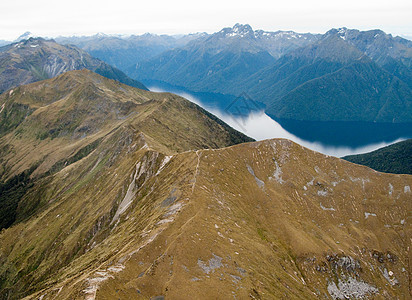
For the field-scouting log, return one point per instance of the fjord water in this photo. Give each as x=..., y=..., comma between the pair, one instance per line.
x=331, y=138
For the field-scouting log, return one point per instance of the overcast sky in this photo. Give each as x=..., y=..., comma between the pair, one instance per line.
x=86, y=17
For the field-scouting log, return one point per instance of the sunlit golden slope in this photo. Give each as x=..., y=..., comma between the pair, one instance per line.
x=59, y=140
x=150, y=212
x=266, y=220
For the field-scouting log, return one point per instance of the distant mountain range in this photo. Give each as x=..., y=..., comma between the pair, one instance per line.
x=123, y=52
x=334, y=80
x=38, y=59
x=343, y=75
x=215, y=63
x=395, y=158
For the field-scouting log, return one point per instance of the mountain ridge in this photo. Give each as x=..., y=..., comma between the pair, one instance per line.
x=37, y=59
x=122, y=52
x=48, y=124
x=223, y=228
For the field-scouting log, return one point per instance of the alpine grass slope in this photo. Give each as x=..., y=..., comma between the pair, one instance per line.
x=127, y=194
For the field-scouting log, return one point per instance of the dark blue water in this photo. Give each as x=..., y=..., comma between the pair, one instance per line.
x=350, y=134
x=332, y=138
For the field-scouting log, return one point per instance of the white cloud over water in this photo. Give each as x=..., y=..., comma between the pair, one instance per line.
x=260, y=126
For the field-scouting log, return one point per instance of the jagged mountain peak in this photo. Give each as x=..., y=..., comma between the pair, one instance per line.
x=282, y=35
x=238, y=30
x=25, y=36
x=27, y=42
x=246, y=31
x=376, y=44
x=344, y=32
x=331, y=46
x=242, y=28
x=101, y=35
x=341, y=32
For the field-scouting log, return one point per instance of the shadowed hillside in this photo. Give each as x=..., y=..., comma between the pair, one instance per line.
x=395, y=158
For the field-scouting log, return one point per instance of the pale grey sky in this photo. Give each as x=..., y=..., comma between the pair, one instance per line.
x=86, y=17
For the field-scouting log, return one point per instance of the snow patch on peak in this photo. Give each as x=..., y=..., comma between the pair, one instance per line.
x=342, y=30
x=101, y=34
x=25, y=36
x=238, y=30
x=240, y=27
